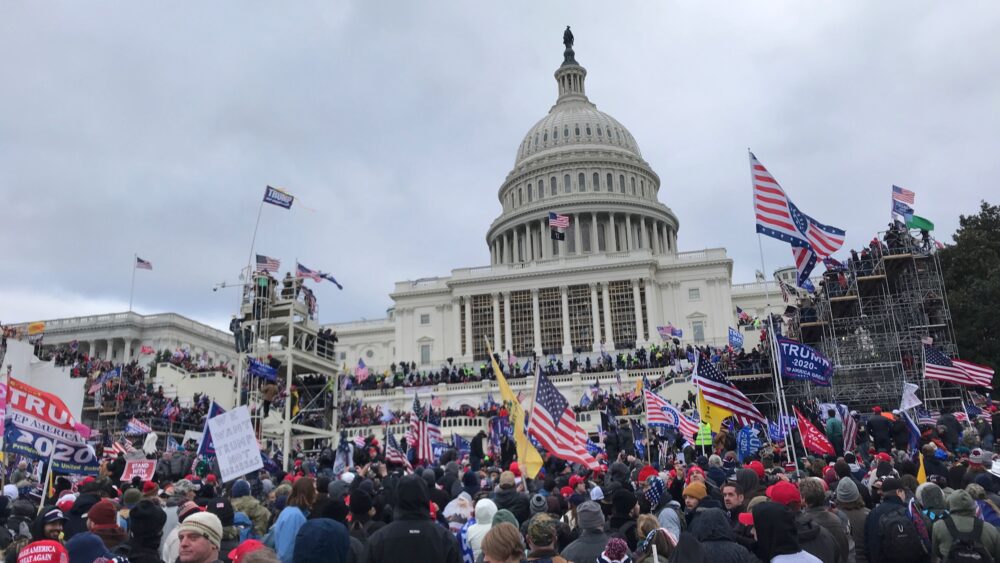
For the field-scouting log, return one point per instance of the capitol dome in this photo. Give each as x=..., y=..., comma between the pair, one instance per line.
x=581, y=162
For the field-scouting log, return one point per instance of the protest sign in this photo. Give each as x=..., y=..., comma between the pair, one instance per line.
x=141, y=468
x=235, y=444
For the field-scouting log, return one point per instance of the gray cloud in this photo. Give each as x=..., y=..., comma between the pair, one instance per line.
x=153, y=129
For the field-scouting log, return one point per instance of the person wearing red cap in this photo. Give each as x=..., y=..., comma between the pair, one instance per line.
x=578, y=484
x=45, y=551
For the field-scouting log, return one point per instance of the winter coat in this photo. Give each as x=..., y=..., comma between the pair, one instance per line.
x=258, y=514
x=963, y=512
x=873, y=541
x=718, y=542
x=412, y=536
x=588, y=547
x=880, y=430
x=321, y=540
x=857, y=516
x=833, y=524
x=486, y=509
x=76, y=518
x=515, y=502
x=777, y=535
x=286, y=528
x=815, y=539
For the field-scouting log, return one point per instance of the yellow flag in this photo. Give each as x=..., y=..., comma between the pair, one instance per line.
x=710, y=413
x=528, y=458
x=921, y=472
x=638, y=387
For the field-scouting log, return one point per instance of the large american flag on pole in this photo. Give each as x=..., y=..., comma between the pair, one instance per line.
x=424, y=431
x=393, y=453
x=267, y=264
x=659, y=411
x=557, y=221
x=718, y=390
x=779, y=218
x=554, y=425
x=941, y=367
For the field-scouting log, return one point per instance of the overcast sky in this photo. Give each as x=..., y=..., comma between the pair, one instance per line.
x=153, y=128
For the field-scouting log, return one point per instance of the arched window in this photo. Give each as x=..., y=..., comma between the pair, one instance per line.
x=552, y=185
x=618, y=135
x=621, y=183
x=599, y=133
x=609, y=132
x=520, y=198
x=529, y=192
x=577, y=129
x=633, y=185
x=597, y=181
x=611, y=182
x=566, y=183
x=588, y=129
x=546, y=138
x=566, y=131
x=642, y=186
x=536, y=139
x=541, y=188
x=555, y=133
x=582, y=181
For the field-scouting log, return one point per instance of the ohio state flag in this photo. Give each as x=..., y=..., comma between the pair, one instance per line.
x=813, y=440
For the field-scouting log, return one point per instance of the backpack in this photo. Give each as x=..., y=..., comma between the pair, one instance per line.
x=967, y=546
x=245, y=526
x=900, y=540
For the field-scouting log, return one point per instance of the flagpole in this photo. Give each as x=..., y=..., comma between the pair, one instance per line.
x=48, y=475
x=649, y=442
x=131, y=289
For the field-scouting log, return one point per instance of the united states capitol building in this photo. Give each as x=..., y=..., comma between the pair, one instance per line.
x=618, y=275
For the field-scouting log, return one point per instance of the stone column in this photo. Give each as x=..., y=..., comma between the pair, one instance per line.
x=496, y=322
x=654, y=233
x=652, y=307
x=593, y=234
x=529, y=239
x=595, y=317
x=516, y=247
x=613, y=244
x=637, y=301
x=567, y=343
x=577, y=233
x=628, y=233
x=536, y=322
x=544, y=242
x=468, y=326
x=507, y=342
x=609, y=333
x=493, y=252
x=643, y=243
x=508, y=242
x=456, y=325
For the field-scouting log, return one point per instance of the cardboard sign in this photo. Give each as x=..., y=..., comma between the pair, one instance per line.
x=141, y=468
x=236, y=446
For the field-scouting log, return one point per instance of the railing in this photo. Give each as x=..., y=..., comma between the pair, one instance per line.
x=143, y=321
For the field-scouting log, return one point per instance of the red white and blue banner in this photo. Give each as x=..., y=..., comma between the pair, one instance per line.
x=38, y=425
x=800, y=362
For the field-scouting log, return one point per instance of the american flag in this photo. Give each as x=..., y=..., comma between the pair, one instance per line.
x=143, y=264
x=393, y=453
x=779, y=218
x=659, y=411
x=146, y=350
x=925, y=416
x=267, y=264
x=554, y=425
x=557, y=221
x=975, y=412
x=718, y=390
x=303, y=272
x=361, y=372
x=939, y=366
x=961, y=417
x=136, y=426
x=424, y=431
x=850, y=428
x=902, y=194
x=122, y=446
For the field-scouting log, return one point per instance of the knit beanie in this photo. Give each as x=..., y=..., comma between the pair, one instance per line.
x=241, y=488
x=538, y=505
x=931, y=497
x=623, y=501
x=589, y=516
x=361, y=502
x=696, y=490
x=847, y=491
x=204, y=523
x=615, y=552
x=504, y=515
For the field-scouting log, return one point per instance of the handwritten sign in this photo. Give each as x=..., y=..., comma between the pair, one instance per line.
x=141, y=468
x=235, y=444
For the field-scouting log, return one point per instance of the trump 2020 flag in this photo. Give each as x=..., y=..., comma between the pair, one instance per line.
x=276, y=196
x=735, y=338
x=801, y=362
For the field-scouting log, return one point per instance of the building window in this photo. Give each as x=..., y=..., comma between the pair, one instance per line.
x=425, y=319
x=611, y=182
x=546, y=137
x=599, y=133
x=370, y=354
x=541, y=190
x=566, y=183
x=425, y=354
x=597, y=181
x=622, y=313
x=698, y=328
x=342, y=356
x=552, y=185
x=555, y=133
x=694, y=294
x=588, y=129
x=582, y=181
x=621, y=187
x=577, y=129
x=633, y=185
x=520, y=198
x=550, y=319
x=566, y=131
x=529, y=193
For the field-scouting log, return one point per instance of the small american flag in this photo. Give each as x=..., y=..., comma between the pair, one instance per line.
x=143, y=264
x=925, y=416
x=557, y=221
x=303, y=272
x=136, y=426
x=393, y=453
x=267, y=264
x=902, y=194
x=659, y=411
x=718, y=390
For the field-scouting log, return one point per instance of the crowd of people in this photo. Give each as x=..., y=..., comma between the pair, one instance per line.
x=878, y=501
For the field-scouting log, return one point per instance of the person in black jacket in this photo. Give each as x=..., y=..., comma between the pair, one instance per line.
x=412, y=536
x=508, y=497
x=76, y=517
x=146, y=521
x=900, y=432
x=476, y=452
x=880, y=430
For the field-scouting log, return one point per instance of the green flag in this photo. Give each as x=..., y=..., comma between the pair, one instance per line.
x=918, y=222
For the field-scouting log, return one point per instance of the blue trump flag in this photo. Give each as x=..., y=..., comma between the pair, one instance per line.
x=747, y=442
x=207, y=447
x=800, y=362
x=461, y=444
x=258, y=368
x=735, y=338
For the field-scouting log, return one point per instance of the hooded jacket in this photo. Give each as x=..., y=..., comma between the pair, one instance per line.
x=833, y=524
x=777, y=534
x=963, y=512
x=815, y=539
x=718, y=543
x=321, y=540
x=76, y=518
x=258, y=514
x=486, y=509
x=412, y=536
x=515, y=502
